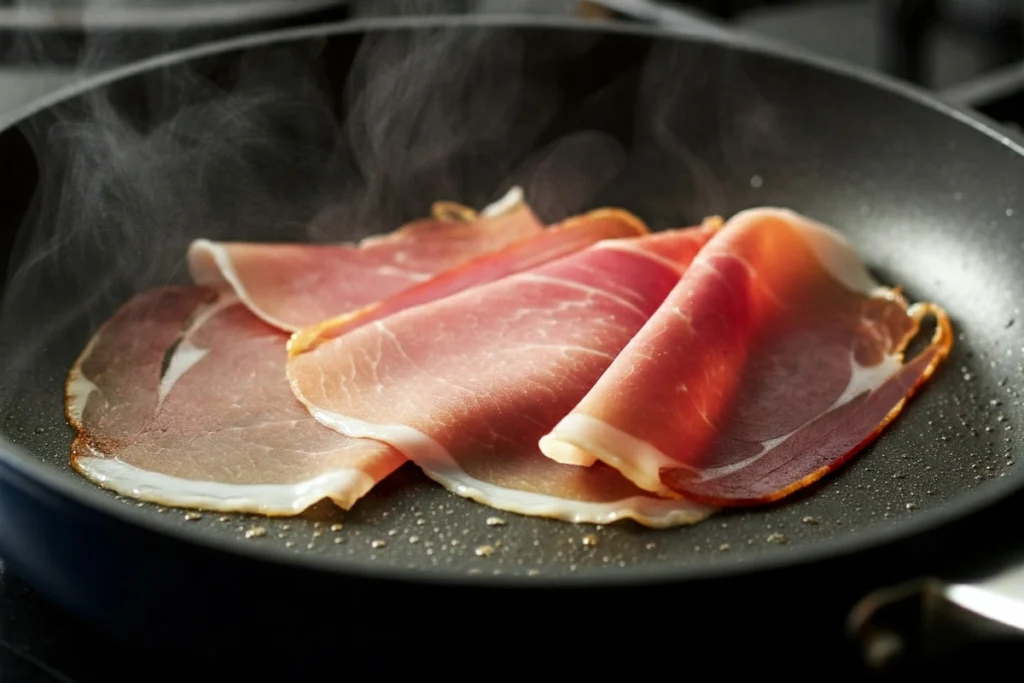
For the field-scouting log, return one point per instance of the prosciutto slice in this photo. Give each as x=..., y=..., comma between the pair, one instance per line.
x=466, y=385
x=291, y=286
x=774, y=360
x=557, y=241
x=181, y=399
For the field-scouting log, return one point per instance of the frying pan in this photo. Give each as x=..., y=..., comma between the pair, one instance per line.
x=338, y=131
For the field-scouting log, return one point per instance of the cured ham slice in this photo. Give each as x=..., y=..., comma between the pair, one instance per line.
x=466, y=385
x=292, y=286
x=557, y=241
x=774, y=360
x=181, y=399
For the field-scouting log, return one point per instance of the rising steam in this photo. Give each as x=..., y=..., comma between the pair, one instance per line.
x=263, y=144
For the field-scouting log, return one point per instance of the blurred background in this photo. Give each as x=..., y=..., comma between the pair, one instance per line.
x=936, y=43
x=969, y=46
x=972, y=51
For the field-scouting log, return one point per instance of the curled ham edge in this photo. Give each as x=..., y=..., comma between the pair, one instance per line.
x=346, y=486
x=582, y=440
x=220, y=272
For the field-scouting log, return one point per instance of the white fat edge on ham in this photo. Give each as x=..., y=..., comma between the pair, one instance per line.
x=222, y=276
x=862, y=380
x=581, y=440
x=344, y=487
x=79, y=387
x=439, y=465
x=577, y=437
x=186, y=354
x=512, y=200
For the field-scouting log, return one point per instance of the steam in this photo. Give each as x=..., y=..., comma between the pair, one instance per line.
x=253, y=145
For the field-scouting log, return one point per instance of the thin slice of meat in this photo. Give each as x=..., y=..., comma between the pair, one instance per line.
x=292, y=286
x=557, y=241
x=181, y=399
x=466, y=385
x=774, y=360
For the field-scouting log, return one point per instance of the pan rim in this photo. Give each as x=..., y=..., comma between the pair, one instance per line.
x=56, y=483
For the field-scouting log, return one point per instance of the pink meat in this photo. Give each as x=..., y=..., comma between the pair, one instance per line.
x=181, y=399
x=557, y=241
x=292, y=286
x=773, y=361
x=466, y=385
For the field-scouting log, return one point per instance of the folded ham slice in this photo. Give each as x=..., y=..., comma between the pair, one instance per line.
x=181, y=399
x=774, y=360
x=292, y=286
x=466, y=385
x=557, y=241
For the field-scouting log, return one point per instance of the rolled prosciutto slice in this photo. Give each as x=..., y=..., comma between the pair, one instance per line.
x=291, y=286
x=466, y=385
x=774, y=360
x=181, y=399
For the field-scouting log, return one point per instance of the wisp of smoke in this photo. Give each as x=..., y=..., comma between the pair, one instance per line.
x=263, y=145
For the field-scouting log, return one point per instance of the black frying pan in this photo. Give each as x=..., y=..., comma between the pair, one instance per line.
x=105, y=185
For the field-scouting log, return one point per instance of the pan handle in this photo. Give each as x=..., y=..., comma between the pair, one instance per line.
x=934, y=623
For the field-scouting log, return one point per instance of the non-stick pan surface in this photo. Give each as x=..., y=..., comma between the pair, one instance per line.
x=671, y=127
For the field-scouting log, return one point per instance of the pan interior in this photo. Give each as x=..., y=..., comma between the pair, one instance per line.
x=671, y=129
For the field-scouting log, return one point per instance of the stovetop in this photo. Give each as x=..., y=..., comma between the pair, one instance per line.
x=41, y=643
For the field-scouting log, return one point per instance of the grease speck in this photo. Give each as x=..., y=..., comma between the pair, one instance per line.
x=775, y=538
x=337, y=527
x=484, y=550
x=256, y=532
x=495, y=521
x=809, y=520
x=378, y=543
x=591, y=540
x=192, y=516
